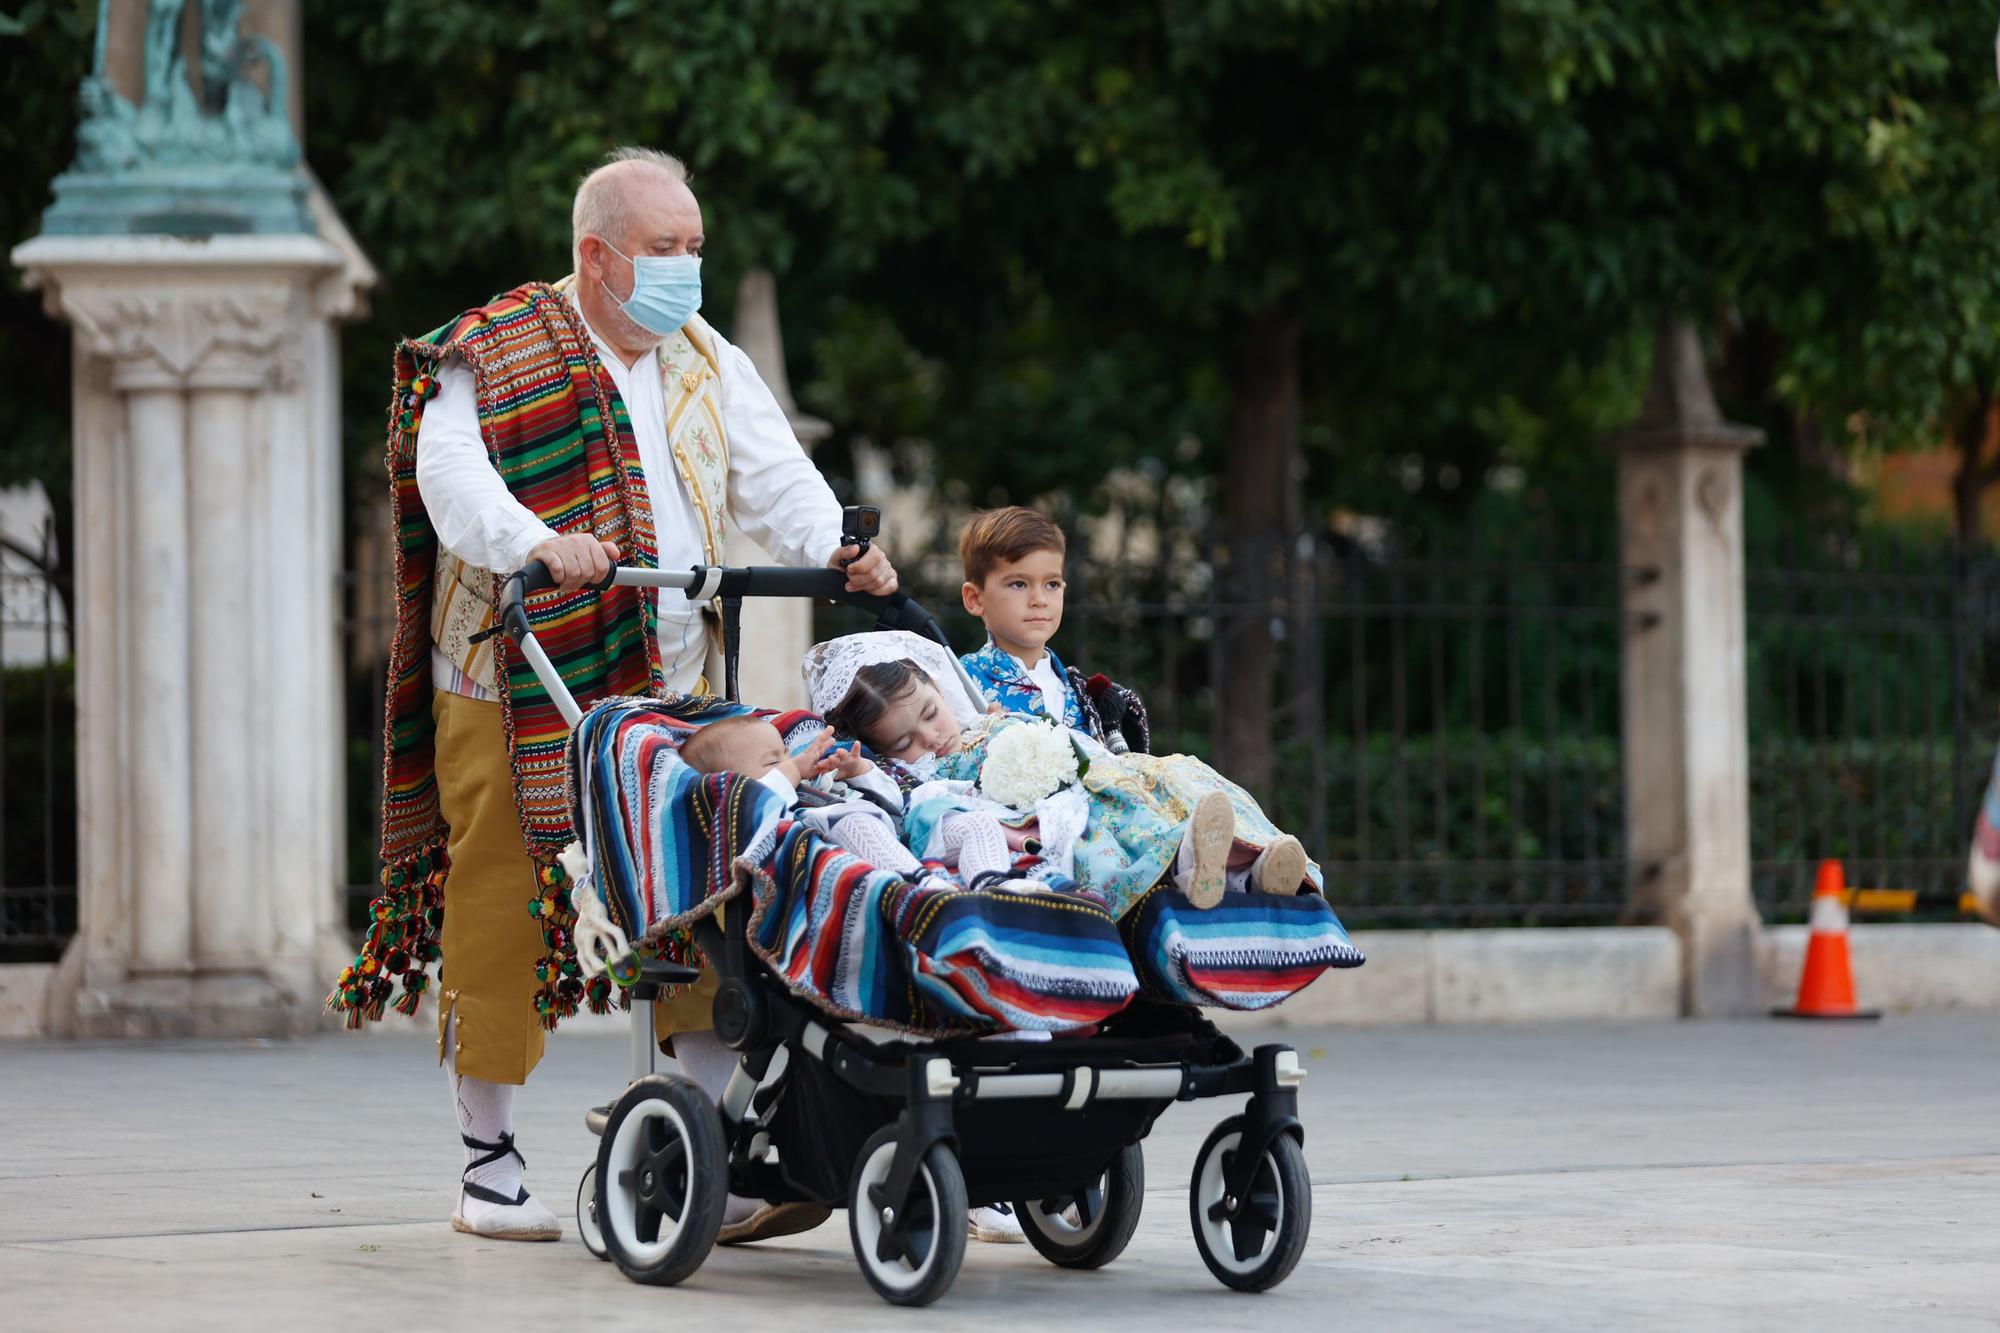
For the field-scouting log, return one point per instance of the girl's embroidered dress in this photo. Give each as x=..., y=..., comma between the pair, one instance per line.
x=1140, y=805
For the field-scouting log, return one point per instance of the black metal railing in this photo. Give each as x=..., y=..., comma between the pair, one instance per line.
x=368, y=621
x=1445, y=734
x=1873, y=711
x=1445, y=728
x=37, y=766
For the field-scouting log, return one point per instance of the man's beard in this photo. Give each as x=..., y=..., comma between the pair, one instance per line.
x=631, y=333
x=624, y=330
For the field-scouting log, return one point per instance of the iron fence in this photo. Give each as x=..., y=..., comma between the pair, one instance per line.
x=1445, y=732
x=1445, y=736
x=1873, y=711
x=368, y=621
x=38, y=775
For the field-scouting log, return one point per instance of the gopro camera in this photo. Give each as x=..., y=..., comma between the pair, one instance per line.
x=859, y=525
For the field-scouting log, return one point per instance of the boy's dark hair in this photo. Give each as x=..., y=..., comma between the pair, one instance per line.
x=875, y=687
x=700, y=751
x=995, y=536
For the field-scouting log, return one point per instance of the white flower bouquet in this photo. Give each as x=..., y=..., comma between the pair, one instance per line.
x=1027, y=763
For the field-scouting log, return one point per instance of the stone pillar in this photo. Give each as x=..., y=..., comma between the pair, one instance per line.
x=210, y=739
x=776, y=634
x=1680, y=514
x=156, y=698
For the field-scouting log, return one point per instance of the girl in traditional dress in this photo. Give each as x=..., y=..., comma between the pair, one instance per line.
x=1147, y=815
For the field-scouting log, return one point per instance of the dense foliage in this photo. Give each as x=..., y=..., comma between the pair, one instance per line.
x=1315, y=257
x=1031, y=234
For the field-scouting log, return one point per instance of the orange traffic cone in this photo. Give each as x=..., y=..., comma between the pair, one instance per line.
x=1826, y=987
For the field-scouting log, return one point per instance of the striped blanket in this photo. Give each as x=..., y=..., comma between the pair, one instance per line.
x=1249, y=951
x=670, y=846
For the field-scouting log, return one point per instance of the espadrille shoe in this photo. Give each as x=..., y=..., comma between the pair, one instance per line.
x=1201, y=870
x=487, y=1212
x=1281, y=867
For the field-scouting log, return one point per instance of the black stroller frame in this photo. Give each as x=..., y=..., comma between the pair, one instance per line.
x=1053, y=1127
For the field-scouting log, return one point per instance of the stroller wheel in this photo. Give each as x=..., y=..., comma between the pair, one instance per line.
x=662, y=1180
x=914, y=1259
x=1256, y=1249
x=586, y=1213
x=1092, y=1227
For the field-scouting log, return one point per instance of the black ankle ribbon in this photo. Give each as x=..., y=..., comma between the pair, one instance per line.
x=494, y=1152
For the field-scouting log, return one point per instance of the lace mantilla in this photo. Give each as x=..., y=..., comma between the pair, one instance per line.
x=830, y=668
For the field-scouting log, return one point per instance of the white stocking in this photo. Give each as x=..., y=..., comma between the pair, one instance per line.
x=975, y=843
x=485, y=1112
x=871, y=839
x=706, y=1060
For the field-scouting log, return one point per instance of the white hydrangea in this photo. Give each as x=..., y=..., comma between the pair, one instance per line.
x=1026, y=763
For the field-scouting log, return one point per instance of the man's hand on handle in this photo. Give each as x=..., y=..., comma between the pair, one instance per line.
x=872, y=573
x=575, y=559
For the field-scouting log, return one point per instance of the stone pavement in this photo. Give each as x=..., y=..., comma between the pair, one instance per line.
x=1738, y=1175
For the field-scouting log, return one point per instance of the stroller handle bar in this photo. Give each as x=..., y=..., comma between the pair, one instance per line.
x=703, y=583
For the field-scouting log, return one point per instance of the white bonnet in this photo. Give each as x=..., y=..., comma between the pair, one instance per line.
x=830, y=668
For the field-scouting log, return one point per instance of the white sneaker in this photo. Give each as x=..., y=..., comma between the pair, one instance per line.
x=994, y=1223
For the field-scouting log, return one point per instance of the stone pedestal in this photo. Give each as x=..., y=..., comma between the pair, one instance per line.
x=1680, y=512
x=209, y=730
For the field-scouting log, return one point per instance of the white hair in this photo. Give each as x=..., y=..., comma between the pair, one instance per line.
x=602, y=206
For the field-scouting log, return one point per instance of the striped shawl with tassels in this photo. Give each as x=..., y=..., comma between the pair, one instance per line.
x=559, y=436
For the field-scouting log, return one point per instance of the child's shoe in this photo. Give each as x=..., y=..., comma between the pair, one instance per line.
x=994, y=1223
x=1280, y=867
x=1201, y=870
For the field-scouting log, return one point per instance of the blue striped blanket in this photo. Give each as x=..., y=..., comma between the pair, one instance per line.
x=669, y=846
x=1249, y=951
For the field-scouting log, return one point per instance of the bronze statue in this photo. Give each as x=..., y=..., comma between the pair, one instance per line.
x=207, y=147
x=232, y=120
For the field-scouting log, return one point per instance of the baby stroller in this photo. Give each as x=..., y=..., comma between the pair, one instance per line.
x=905, y=1134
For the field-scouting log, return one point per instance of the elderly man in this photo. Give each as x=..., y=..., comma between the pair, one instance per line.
x=576, y=424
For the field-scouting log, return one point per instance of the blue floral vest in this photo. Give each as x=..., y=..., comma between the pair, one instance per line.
x=1001, y=675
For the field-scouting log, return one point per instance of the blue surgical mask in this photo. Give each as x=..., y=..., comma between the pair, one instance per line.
x=666, y=290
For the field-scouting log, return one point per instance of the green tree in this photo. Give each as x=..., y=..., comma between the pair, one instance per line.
x=1052, y=239
x=1818, y=179
x=1891, y=340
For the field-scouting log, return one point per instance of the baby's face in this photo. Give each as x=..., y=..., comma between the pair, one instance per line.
x=915, y=725
x=752, y=751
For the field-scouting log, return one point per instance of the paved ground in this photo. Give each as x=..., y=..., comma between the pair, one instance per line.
x=1755, y=1175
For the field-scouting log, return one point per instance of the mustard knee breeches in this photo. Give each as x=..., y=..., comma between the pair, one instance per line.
x=490, y=942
